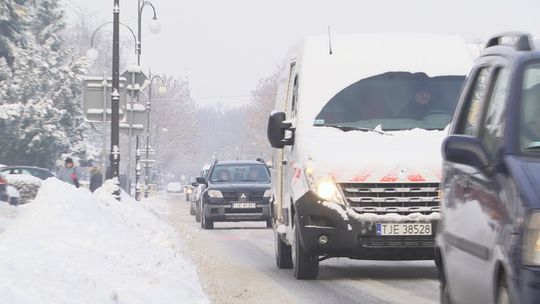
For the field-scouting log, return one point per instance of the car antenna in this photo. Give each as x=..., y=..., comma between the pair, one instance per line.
x=330, y=41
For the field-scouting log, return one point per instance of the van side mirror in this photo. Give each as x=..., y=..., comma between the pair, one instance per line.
x=201, y=180
x=276, y=130
x=465, y=150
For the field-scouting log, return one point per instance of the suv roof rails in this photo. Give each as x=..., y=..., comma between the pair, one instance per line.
x=521, y=41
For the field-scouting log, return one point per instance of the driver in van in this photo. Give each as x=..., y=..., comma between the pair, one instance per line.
x=423, y=103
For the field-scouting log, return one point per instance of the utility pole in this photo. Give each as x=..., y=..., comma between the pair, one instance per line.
x=115, y=100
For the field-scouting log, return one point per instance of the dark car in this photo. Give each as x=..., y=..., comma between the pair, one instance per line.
x=488, y=241
x=40, y=173
x=236, y=191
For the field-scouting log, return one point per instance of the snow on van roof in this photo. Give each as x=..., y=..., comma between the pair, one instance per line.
x=359, y=56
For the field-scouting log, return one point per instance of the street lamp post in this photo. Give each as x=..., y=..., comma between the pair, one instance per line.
x=154, y=28
x=115, y=100
x=92, y=54
x=148, y=107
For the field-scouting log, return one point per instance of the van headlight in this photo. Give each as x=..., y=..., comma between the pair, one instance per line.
x=267, y=193
x=215, y=194
x=531, y=246
x=328, y=191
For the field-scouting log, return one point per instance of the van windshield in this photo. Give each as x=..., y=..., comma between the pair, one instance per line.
x=393, y=101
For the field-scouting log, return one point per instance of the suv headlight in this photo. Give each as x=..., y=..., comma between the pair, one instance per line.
x=531, y=248
x=267, y=193
x=328, y=190
x=215, y=194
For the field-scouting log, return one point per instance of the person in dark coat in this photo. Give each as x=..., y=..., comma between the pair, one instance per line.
x=96, y=178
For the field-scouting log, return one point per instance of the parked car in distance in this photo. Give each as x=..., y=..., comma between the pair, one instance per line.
x=175, y=187
x=236, y=191
x=488, y=242
x=8, y=193
x=40, y=173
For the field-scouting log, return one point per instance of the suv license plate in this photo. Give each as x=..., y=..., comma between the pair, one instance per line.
x=244, y=205
x=404, y=229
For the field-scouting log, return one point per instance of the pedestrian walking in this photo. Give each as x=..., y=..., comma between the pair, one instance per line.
x=69, y=173
x=96, y=178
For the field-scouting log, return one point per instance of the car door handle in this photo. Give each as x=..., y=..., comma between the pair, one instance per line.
x=284, y=162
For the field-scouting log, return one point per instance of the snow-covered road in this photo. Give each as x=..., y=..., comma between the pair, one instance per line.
x=236, y=264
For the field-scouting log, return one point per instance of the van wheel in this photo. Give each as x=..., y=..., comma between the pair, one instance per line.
x=306, y=267
x=283, y=253
x=503, y=297
x=269, y=224
x=444, y=291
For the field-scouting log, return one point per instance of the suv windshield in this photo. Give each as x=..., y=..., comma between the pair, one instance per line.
x=393, y=101
x=529, y=137
x=240, y=173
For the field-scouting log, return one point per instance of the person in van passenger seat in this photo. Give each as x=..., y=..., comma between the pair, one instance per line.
x=371, y=104
x=422, y=103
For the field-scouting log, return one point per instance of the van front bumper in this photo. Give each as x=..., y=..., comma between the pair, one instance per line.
x=346, y=235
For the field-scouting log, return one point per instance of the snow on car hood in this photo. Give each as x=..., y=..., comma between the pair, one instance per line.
x=370, y=157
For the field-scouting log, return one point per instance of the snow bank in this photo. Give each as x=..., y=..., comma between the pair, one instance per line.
x=8, y=215
x=72, y=246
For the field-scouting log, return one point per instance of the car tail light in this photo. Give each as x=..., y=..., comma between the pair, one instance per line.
x=3, y=180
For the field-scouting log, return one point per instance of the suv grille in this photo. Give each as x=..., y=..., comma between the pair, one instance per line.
x=232, y=196
x=402, y=198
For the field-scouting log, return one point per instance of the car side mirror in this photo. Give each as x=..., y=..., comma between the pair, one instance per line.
x=276, y=130
x=194, y=184
x=465, y=150
x=201, y=180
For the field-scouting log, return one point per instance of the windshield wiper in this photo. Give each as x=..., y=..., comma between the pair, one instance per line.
x=353, y=128
x=533, y=148
x=220, y=180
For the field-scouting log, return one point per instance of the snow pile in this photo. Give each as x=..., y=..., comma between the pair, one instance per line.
x=27, y=185
x=8, y=215
x=71, y=246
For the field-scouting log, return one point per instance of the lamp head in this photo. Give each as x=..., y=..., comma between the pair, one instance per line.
x=155, y=26
x=92, y=54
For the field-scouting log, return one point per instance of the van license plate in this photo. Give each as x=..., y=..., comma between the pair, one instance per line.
x=404, y=229
x=244, y=205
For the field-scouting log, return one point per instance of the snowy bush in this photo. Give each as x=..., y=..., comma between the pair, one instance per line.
x=27, y=185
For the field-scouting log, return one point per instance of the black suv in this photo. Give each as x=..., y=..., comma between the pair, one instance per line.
x=236, y=191
x=488, y=242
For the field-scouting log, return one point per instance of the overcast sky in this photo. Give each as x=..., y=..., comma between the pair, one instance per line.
x=225, y=46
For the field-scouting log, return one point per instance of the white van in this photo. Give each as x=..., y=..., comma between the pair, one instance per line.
x=357, y=131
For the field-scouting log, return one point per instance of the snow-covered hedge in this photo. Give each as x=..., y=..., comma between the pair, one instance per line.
x=27, y=185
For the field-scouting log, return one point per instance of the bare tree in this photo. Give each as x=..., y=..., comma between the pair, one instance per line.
x=262, y=103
